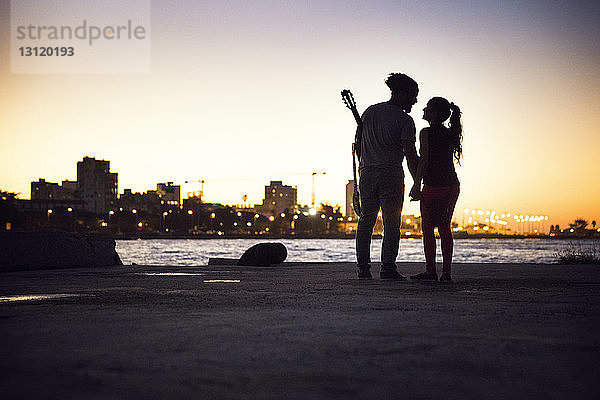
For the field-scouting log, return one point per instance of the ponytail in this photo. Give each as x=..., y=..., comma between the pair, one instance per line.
x=456, y=131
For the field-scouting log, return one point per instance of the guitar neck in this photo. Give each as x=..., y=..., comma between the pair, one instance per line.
x=356, y=116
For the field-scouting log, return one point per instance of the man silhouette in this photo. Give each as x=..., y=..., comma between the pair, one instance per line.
x=386, y=137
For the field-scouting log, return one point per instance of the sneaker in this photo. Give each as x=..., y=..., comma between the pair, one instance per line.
x=424, y=276
x=364, y=273
x=391, y=274
x=445, y=277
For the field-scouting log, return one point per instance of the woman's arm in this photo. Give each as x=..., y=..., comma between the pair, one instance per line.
x=415, y=192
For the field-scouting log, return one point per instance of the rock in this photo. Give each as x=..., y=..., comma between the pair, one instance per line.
x=44, y=250
x=264, y=254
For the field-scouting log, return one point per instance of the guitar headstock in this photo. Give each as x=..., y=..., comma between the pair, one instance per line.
x=348, y=99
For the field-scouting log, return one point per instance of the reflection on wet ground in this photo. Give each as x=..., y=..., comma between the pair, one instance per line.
x=171, y=273
x=35, y=297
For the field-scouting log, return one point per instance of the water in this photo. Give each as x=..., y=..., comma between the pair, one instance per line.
x=188, y=252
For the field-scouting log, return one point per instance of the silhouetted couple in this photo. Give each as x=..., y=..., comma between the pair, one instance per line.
x=388, y=135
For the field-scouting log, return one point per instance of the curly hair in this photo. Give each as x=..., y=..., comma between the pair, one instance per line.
x=398, y=82
x=444, y=109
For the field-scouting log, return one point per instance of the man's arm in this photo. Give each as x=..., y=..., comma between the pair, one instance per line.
x=412, y=159
x=415, y=192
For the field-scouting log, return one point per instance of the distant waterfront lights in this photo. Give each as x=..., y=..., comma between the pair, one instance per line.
x=111, y=212
x=190, y=212
x=239, y=214
x=282, y=215
x=49, y=211
x=255, y=215
x=295, y=217
x=213, y=215
x=69, y=209
x=322, y=216
x=140, y=224
x=120, y=208
x=248, y=223
x=271, y=218
x=134, y=211
x=104, y=224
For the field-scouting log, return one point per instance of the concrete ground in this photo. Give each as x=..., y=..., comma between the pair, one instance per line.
x=300, y=331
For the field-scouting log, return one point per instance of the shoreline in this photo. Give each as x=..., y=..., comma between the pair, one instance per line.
x=345, y=237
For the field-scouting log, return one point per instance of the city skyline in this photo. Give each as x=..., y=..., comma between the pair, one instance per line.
x=511, y=219
x=240, y=94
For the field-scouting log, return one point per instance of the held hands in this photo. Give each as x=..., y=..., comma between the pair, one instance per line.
x=415, y=192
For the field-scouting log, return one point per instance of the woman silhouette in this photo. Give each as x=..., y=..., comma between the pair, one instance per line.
x=440, y=147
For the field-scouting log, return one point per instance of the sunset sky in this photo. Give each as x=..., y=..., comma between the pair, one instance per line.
x=240, y=93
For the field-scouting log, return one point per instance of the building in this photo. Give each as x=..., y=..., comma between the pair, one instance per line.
x=169, y=194
x=42, y=190
x=148, y=202
x=97, y=186
x=349, y=194
x=279, y=198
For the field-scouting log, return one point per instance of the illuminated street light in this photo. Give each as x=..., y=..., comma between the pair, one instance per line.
x=134, y=211
x=271, y=218
x=190, y=212
x=69, y=209
x=111, y=212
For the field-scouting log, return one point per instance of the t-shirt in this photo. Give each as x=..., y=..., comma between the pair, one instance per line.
x=385, y=126
x=440, y=166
